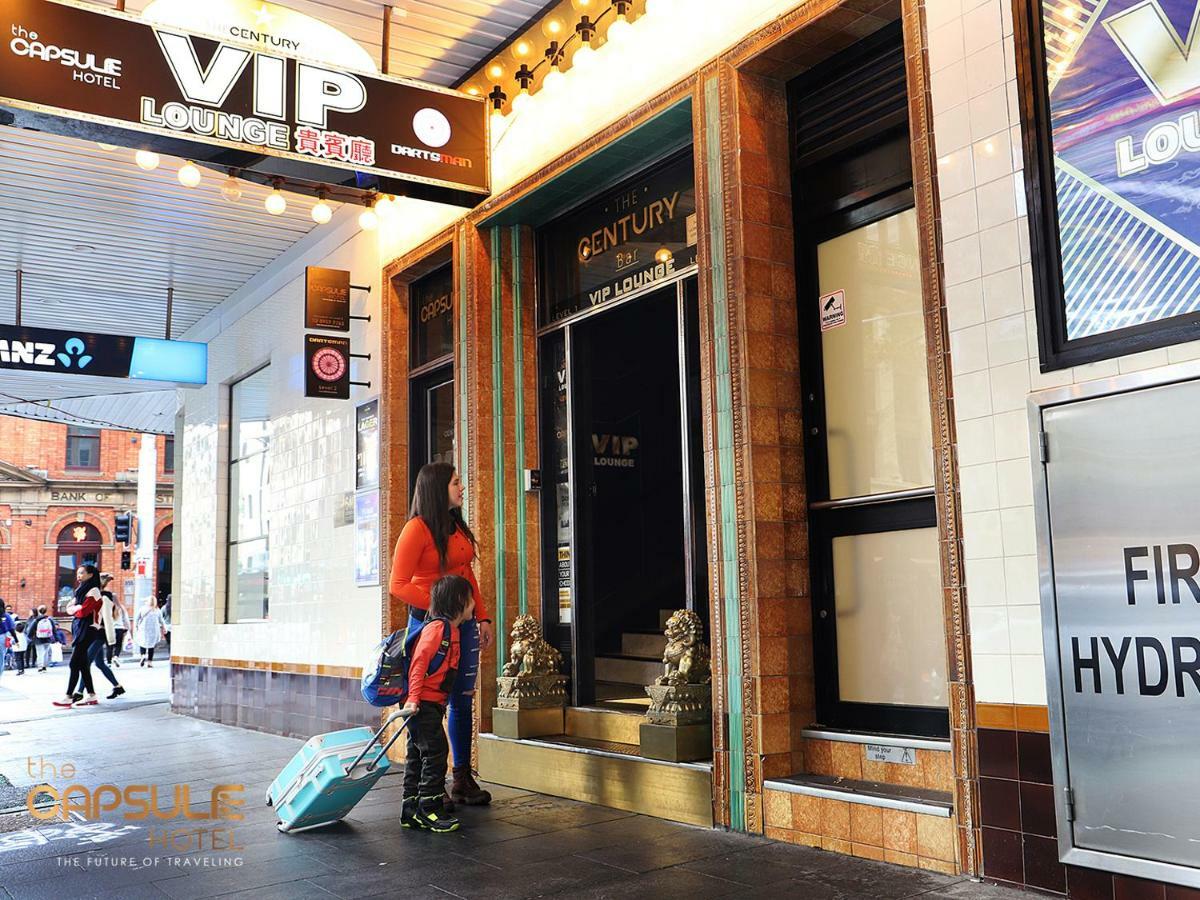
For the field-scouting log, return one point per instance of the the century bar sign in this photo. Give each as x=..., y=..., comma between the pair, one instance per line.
x=71, y=60
x=636, y=235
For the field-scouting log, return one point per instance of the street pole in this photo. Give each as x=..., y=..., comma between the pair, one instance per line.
x=147, y=488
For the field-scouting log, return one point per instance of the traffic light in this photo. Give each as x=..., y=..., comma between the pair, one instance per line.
x=126, y=559
x=121, y=532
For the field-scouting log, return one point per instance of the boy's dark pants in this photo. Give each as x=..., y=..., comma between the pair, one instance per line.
x=425, y=765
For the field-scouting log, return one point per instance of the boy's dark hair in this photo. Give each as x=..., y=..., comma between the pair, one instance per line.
x=449, y=596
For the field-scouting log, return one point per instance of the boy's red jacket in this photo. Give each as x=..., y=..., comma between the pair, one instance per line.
x=436, y=687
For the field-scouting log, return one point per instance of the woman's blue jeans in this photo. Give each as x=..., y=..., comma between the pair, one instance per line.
x=461, y=705
x=97, y=654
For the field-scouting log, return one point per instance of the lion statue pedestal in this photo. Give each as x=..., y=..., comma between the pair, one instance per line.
x=530, y=696
x=678, y=725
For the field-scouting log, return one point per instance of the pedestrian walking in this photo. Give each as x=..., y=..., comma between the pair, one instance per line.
x=83, y=613
x=20, y=645
x=40, y=631
x=8, y=633
x=31, y=649
x=106, y=625
x=121, y=628
x=148, y=630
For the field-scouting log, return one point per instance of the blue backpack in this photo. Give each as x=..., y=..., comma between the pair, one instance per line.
x=385, y=676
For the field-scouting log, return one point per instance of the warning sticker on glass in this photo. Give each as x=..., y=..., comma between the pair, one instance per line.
x=833, y=310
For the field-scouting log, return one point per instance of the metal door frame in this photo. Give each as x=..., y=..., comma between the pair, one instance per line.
x=1038, y=403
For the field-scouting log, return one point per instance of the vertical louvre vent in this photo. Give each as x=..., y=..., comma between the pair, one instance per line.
x=857, y=94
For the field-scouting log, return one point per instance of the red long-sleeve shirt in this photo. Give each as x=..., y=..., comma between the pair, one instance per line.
x=90, y=606
x=433, y=688
x=415, y=565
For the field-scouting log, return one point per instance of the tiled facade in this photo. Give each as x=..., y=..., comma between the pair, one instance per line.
x=317, y=615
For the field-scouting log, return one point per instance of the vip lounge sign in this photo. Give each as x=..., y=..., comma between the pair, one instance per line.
x=108, y=355
x=74, y=61
x=1124, y=88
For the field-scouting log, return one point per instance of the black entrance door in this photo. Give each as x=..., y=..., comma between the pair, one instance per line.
x=632, y=496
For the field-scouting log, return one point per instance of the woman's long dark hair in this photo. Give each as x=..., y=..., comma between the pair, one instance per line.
x=92, y=581
x=431, y=501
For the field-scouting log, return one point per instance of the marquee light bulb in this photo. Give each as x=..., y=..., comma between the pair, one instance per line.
x=275, y=203
x=663, y=255
x=554, y=28
x=521, y=49
x=659, y=7
x=146, y=160
x=584, y=56
x=322, y=212
x=231, y=190
x=585, y=6
x=495, y=71
x=619, y=30
x=107, y=148
x=189, y=175
x=554, y=79
x=367, y=220
x=520, y=101
x=385, y=206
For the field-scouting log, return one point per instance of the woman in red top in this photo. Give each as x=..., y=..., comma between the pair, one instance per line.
x=87, y=604
x=436, y=542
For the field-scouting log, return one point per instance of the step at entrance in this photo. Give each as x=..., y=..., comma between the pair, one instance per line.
x=628, y=669
x=600, y=723
x=643, y=643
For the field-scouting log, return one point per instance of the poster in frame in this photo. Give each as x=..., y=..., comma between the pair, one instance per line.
x=1110, y=110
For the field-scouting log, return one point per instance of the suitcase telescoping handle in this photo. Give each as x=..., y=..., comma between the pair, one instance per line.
x=404, y=714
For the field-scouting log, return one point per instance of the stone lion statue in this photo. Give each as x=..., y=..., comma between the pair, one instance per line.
x=686, y=657
x=529, y=654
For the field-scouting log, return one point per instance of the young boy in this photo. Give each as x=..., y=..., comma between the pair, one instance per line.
x=451, y=601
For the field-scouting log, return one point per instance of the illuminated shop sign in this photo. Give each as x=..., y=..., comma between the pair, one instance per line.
x=73, y=61
x=108, y=355
x=631, y=237
x=1116, y=108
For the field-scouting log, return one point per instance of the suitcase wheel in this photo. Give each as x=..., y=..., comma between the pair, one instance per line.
x=270, y=802
x=284, y=828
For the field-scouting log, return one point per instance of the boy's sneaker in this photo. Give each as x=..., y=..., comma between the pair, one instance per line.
x=432, y=815
x=409, y=813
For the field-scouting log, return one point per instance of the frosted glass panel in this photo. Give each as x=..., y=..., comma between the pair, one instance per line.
x=890, y=637
x=876, y=393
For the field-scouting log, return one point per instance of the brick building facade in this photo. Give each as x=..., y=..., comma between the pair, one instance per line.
x=61, y=489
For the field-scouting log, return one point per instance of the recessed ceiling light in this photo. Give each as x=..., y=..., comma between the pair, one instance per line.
x=83, y=248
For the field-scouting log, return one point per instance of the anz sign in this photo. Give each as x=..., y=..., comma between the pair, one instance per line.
x=113, y=356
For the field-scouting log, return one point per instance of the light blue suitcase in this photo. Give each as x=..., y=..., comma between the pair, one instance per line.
x=328, y=776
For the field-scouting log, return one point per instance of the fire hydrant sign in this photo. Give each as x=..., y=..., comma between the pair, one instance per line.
x=1120, y=556
x=78, y=63
x=833, y=310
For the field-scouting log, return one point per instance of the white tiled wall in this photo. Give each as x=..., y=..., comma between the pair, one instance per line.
x=993, y=337
x=317, y=614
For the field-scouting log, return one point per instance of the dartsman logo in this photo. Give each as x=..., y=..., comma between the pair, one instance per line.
x=25, y=43
x=445, y=158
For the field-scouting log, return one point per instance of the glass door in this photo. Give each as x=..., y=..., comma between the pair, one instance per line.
x=878, y=630
x=623, y=495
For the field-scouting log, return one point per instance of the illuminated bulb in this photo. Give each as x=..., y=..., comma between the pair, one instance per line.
x=620, y=29
x=385, y=206
x=585, y=6
x=188, y=175
x=584, y=56
x=146, y=160
x=275, y=203
x=231, y=190
x=554, y=79
x=107, y=148
x=521, y=49
x=367, y=220
x=495, y=71
x=520, y=101
x=497, y=122
x=554, y=28
x=322, y=212
x=663, y=255
x=659, y=7
x=473, y=90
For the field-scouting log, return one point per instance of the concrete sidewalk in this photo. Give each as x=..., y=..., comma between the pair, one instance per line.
x=523, y=845
x=28, y=697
